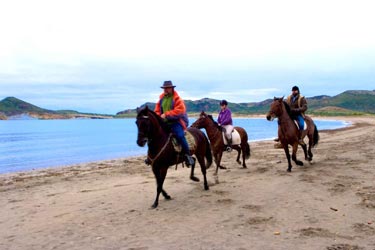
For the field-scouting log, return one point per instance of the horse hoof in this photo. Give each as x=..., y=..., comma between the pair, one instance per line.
x=154, y=206
x=193, y=178
x=239, y=162
x=206, y=188
x=299, y=163
x=289, y=170
x=167, y=197
x=221, y=167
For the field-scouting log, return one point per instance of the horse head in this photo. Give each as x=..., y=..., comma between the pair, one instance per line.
x=276, y=108
x=144, y=125
x=202, y=121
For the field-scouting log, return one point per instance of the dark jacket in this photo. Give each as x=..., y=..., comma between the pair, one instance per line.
x=297, y=104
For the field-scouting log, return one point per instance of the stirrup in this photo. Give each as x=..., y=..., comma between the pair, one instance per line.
x=229, y=149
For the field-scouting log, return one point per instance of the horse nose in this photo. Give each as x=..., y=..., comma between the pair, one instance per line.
x=268, y=116
x=141, y=142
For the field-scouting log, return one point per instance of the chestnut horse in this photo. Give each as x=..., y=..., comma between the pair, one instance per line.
x=215, y=135
x=161, y=152
x=288, y=131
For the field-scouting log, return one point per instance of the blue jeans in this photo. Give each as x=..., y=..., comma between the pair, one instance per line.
x=301, y=122
x=178, y=131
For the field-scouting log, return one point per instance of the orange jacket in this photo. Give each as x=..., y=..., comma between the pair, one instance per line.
x=177, y=112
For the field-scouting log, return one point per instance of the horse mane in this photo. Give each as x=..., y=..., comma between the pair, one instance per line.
x=146, y=111
x=212, y=119
x=287, y=107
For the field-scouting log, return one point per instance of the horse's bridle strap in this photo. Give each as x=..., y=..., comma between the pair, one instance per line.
x=160, y=152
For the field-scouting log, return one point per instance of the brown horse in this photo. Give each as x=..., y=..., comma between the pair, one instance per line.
x=214, y=133
x=288, y=131
x=161, y=152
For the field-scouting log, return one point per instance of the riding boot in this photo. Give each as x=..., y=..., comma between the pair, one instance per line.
x=189, y=160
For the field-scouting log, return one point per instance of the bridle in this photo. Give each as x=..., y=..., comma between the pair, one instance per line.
x=152, y=160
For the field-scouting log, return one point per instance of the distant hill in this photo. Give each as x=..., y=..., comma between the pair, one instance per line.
x=13, y=107
x=352, y=102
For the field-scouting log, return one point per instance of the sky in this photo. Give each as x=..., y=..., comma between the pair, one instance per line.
x=108, y=56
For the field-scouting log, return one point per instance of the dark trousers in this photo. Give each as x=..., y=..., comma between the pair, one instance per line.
x=178, y=131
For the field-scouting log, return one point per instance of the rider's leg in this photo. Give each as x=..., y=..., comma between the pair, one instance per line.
x=301, y=124
x=178, y=131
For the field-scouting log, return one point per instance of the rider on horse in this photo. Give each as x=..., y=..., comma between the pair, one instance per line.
x=171, y=108
x=225, y=121
x=298, y=107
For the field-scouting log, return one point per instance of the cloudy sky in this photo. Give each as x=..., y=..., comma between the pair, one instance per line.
x=107, y=56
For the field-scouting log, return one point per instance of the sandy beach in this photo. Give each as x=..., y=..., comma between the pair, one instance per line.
x=329, y=204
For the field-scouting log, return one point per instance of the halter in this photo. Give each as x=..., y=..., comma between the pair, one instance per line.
x=152, y=160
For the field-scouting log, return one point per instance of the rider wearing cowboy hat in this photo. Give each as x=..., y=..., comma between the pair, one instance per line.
x=171, y=108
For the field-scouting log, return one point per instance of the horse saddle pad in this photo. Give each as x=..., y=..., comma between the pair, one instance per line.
x=236, y=138
x=304, y=126
x=190, y=140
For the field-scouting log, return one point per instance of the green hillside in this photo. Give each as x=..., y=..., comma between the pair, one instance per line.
x=14, y=106
x=352, y=102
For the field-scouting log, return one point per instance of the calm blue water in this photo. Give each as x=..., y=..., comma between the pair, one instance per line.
x=32, y=144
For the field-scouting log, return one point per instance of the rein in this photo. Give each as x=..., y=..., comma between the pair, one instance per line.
x=152, y=160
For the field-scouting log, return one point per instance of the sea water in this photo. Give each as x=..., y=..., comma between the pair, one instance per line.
x=34, y=144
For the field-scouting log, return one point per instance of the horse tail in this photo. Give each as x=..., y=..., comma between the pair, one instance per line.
x=247, y=150
x=208, y=152
x=316, y=136
x=245, y=138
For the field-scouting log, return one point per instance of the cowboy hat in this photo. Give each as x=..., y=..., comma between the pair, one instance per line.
x=167, y=84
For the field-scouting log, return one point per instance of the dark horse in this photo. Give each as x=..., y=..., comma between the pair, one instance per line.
x=288, y=131
x=161, y=153
x=214, y=133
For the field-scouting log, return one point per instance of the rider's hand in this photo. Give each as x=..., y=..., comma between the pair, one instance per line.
x=163, y=116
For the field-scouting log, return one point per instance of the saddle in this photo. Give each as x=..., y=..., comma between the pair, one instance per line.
x=190, y=140
x=236, y=138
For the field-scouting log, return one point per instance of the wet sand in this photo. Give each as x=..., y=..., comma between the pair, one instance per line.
x=329, y=204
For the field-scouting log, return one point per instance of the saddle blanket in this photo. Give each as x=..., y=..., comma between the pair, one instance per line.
x=304, y=126
x=236, y=138
x=190, y=140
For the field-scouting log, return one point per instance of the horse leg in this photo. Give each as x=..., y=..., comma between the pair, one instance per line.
x=243, y=148
x=192, y=177
x=204, y=171
x=238, y=148
x=218, y=157
x=160, y=175
x=310, y=154
x=287, y=154
x=294, y=154
x=304, y=147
